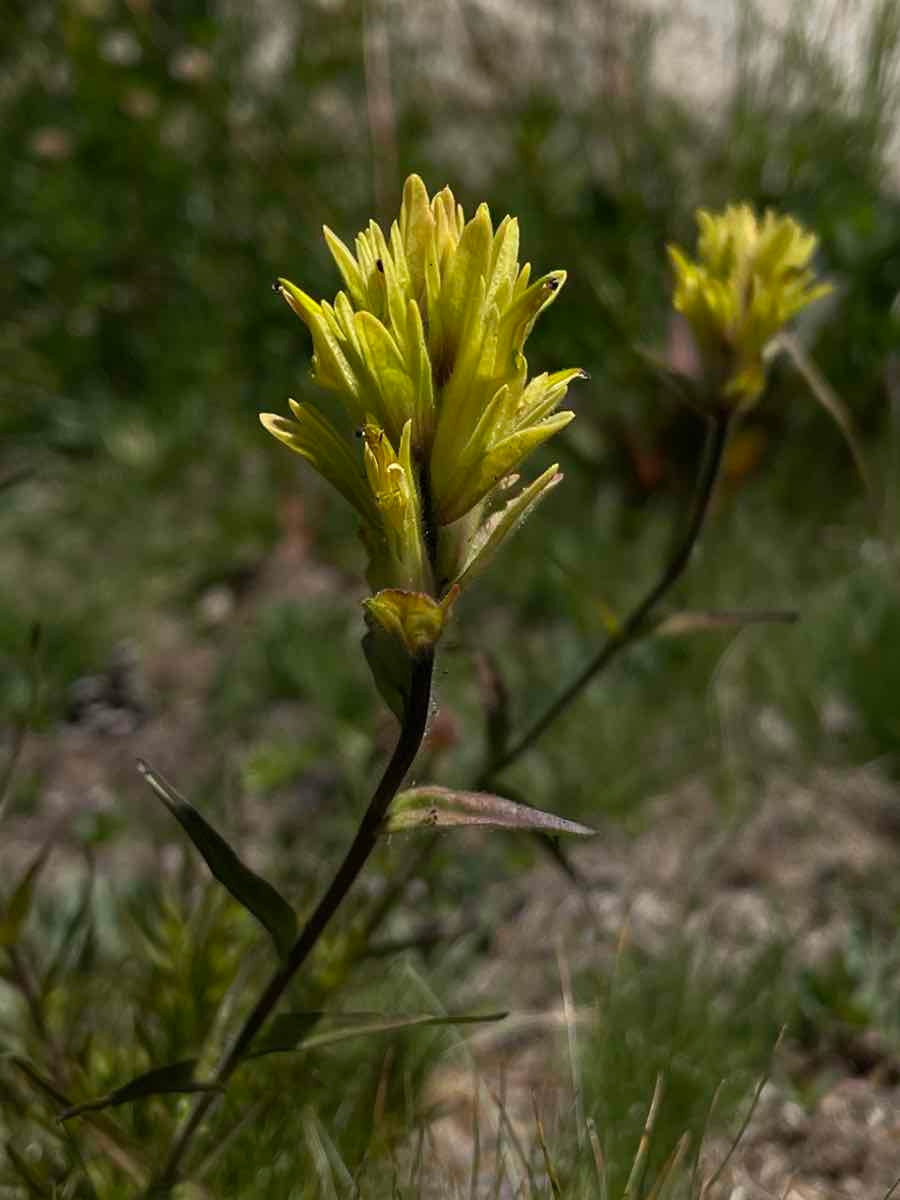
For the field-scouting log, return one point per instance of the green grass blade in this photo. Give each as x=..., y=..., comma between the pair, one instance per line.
x=289, y=1031
x=18, y=906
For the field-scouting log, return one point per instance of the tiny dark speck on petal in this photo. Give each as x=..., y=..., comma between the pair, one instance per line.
x=553, y=284
x=276, y=286
x=380, y=265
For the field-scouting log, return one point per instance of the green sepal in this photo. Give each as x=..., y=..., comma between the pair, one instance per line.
x=390, y=665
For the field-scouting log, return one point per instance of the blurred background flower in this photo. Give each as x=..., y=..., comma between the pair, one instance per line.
x=750, y=278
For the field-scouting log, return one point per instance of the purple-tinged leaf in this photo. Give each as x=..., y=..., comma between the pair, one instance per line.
x=709, y=620
x=444, y=808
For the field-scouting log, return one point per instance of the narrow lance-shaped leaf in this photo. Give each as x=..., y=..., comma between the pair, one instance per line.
x=18, y=906
x=390, y=665
x=291, y=1031
x=249, y=889
x=443, y=808
x=175, y=1077
x=707, y=620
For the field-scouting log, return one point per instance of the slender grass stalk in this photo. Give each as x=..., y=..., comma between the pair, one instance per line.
x=839, y=413
x=712, y=1180
x=635, y=624
x=412, y=732
x=23, y=978
x=635, y=1179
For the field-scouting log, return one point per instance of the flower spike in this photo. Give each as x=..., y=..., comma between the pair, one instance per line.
x=424, y=351
x=750, y=278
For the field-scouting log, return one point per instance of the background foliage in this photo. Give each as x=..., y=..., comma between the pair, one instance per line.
x=162, y=163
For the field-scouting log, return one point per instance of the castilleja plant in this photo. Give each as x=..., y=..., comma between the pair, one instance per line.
x=424, y=353
x=750, y=278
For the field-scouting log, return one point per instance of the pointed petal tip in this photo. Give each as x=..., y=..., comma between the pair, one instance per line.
x=280, y=427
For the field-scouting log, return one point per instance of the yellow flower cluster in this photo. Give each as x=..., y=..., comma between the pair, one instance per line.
x=423, y=351
x=750, y=278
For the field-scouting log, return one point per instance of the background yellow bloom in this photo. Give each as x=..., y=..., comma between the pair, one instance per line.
x=749, y=279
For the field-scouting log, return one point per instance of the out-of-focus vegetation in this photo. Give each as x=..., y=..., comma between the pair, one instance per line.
x=162, y=163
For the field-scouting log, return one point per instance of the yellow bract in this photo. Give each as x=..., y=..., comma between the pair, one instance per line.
x=750, y=278
x=423, y=351
x=392, y=480
x=416, y=619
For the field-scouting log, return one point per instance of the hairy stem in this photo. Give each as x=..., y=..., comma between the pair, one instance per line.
x=634, y=625
x=411, y=734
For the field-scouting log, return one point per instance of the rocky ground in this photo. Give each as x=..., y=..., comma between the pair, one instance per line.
x=796, y=868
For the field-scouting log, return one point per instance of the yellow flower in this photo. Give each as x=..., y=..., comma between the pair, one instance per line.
x=392, y=480
x=750, y=278
x=423, y=352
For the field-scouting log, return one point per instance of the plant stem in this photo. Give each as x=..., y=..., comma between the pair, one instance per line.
x=412, y=732
x=633, y=626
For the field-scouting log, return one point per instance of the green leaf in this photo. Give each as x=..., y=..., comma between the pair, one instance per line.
x=390, y=666
x=249, y=889
x=705, y=620
x=75, y=933
x=290, y=1031
x=18, y=906
x=176, y=1077
x=443, y=808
